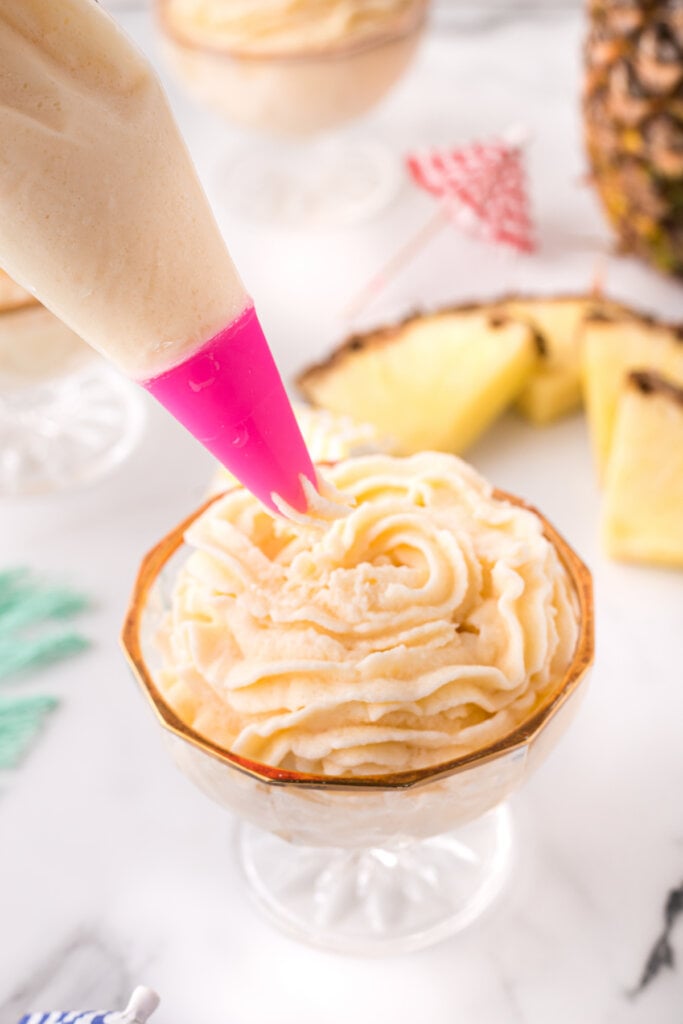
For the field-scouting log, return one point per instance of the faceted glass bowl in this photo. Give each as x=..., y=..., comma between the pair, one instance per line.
x=67, y=418
x=366, y=864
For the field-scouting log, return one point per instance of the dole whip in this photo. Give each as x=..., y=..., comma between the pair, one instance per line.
x=430, y=621
x=289, y=27
x=102, y=217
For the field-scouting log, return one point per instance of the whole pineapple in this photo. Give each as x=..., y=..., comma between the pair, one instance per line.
x=633, y=108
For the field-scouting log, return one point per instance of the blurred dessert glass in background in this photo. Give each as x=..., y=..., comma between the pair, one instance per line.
x=296, y=69
x=66, y=417
x=287, y=67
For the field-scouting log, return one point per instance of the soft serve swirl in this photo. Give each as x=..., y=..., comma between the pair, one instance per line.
x=424, y=624
x=286, y=27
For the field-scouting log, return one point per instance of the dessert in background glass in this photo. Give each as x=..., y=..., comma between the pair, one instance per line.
x=295, y=72
x=66, y=417
x=367, y=691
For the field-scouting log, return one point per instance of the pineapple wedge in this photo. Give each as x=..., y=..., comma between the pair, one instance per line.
x=435, y=381
x=554, y=386
x=642, y=517
x=612, y=346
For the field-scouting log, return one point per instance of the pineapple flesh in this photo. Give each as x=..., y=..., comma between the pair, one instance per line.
x=642, y=517
x=633, y=116
x=433, y=382
x=554, y=386
x=612, y=346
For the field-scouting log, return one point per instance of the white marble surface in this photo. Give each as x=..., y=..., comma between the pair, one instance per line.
x=114, y=870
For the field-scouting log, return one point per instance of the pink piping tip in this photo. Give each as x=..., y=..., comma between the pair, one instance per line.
x=230, y=396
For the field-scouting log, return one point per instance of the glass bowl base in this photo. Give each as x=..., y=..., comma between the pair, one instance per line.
x=320, y=184
x=379, y=900
x=67, y=432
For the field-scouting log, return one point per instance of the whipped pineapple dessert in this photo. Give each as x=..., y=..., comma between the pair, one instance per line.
x=291, y=66
x=287, y=27
x=424, y=620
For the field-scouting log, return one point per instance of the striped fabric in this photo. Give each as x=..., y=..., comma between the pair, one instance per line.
x=142, y=1004
x=73, y=1017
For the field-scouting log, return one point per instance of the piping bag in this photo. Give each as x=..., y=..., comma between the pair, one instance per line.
x=103, y=218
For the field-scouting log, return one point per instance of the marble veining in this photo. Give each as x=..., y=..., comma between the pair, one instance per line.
x=662, y=954
x=82, y=971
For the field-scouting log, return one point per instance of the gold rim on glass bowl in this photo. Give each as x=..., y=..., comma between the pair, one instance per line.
x=156, y=560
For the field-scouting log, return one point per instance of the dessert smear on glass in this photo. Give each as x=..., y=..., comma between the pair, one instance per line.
x=428, y=621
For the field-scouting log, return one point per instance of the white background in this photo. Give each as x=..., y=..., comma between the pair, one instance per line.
x=113, y=870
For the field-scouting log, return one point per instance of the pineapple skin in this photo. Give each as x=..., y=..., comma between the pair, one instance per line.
x=642, y=515
x=434, y=381
x=633, y=123
x=612, y=347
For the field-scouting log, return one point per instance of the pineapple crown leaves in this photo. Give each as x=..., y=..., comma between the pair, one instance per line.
x=31, y=617
x=21, y=720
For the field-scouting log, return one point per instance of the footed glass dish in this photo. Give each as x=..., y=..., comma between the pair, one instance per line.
x=364, y=865
x=68, y=430
x=303, y=173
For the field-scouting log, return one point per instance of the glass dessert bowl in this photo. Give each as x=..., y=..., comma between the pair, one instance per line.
x=66, y=418
x=366, y=863
x=295, y=78
x=287, y=84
